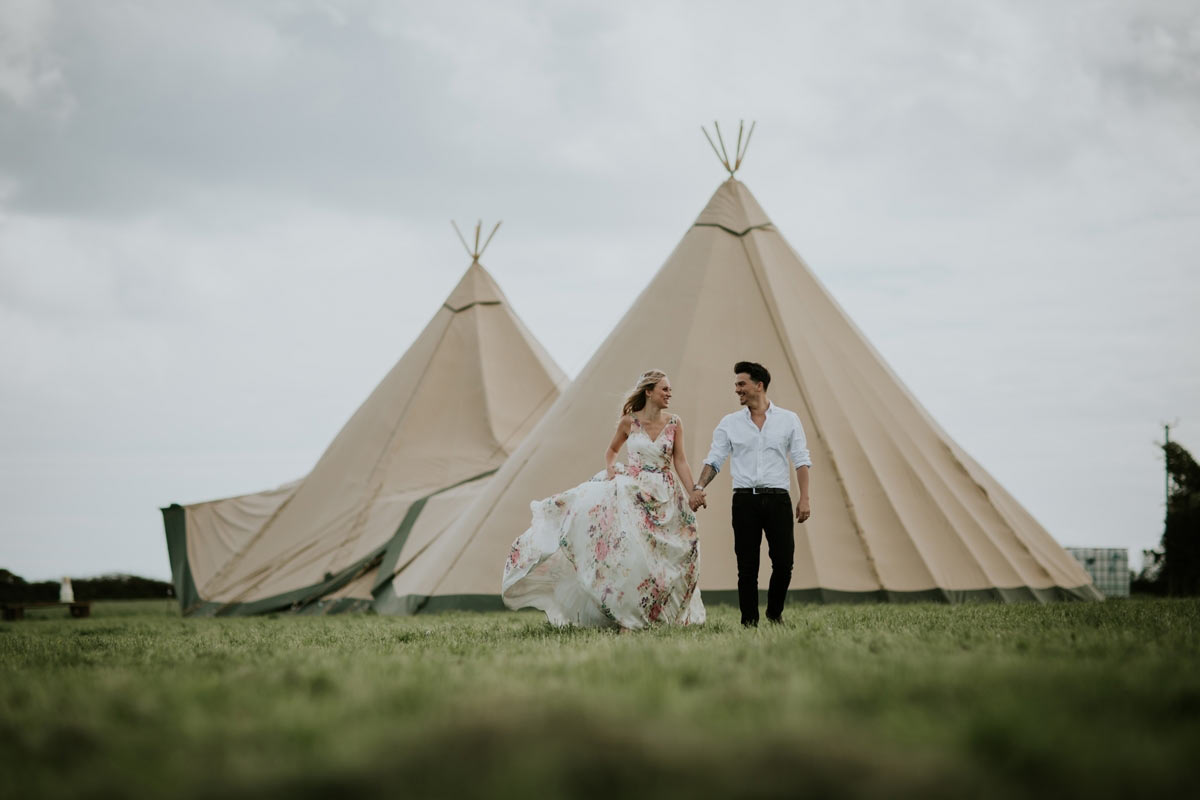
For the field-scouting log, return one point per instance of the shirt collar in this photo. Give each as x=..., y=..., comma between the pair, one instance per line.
x=770, y=409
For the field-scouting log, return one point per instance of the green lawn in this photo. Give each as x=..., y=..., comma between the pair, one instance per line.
x=1079, y=700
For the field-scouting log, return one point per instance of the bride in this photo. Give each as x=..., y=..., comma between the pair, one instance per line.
x=620, y=549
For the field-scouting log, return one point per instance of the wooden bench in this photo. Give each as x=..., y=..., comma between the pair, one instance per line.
x=13, y=611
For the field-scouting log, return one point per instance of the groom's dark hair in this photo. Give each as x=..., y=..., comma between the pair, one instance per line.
x=757, y=372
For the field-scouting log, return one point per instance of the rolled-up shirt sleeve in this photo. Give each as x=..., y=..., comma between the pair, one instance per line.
x=720, y=449
x=799, y=448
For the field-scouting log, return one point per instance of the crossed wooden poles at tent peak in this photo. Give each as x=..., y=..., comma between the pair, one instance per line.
x=739, y=150
x=476, y=251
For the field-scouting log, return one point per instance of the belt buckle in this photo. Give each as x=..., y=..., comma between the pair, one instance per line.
x=754, y=489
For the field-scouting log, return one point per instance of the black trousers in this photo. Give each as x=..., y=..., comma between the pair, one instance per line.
x=754, y=515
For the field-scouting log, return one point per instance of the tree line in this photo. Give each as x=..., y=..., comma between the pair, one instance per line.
x=15, y=589
x=1174, y=568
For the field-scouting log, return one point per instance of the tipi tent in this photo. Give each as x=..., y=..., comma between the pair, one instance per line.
x=900, y=512
x=429, y=437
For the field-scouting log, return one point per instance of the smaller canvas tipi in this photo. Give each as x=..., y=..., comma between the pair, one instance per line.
x=441, y=422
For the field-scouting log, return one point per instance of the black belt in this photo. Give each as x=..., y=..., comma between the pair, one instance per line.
x=760, y=490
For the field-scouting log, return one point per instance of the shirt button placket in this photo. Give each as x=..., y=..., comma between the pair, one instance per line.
x=758, y=476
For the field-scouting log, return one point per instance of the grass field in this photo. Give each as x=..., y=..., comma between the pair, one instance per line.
x=1069, y=700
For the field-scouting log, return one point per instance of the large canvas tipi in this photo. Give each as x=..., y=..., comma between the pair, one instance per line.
x=427, y=439
x=900, y=512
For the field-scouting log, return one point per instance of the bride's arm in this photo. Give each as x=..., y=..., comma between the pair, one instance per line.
x=681, y=462
x=610, y=456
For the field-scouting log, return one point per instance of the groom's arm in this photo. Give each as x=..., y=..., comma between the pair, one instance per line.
x=696, y=495
x=721, y=447
x=803, y=509
x=802, y=461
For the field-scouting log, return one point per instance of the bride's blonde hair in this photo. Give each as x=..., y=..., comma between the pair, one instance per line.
x=636, y=400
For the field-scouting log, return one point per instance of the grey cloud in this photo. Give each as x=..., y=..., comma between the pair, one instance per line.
x=1160, y=66
x=167, y=101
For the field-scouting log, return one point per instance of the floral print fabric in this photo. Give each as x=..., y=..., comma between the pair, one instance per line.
x=613, y=552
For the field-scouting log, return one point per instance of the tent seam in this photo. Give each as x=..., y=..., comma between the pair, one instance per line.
x=763, y=227
x=374, y=468
x=891, y=432
x=760, y=278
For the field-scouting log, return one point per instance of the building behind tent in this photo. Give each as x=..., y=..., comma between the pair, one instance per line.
x=1108, y=566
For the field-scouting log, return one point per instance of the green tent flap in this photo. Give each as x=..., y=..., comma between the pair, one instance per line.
x=296, y=600
x=391, y=556
x=175, y=523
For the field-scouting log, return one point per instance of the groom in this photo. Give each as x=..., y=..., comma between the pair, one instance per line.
x=760, y=438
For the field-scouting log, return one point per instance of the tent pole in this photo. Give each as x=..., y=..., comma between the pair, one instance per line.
x=460, y=237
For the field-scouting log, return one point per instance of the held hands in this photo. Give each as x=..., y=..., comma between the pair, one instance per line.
x=802, y=510
x=697, y=499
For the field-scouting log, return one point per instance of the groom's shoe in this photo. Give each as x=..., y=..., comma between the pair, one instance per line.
x=775, y=620
x=749, y=623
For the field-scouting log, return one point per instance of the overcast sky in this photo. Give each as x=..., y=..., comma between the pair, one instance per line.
x=222, y=223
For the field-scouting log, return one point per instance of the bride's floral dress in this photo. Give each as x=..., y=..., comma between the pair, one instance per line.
x=613, y=552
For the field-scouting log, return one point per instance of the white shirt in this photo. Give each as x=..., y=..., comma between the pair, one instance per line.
x=760, y=458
